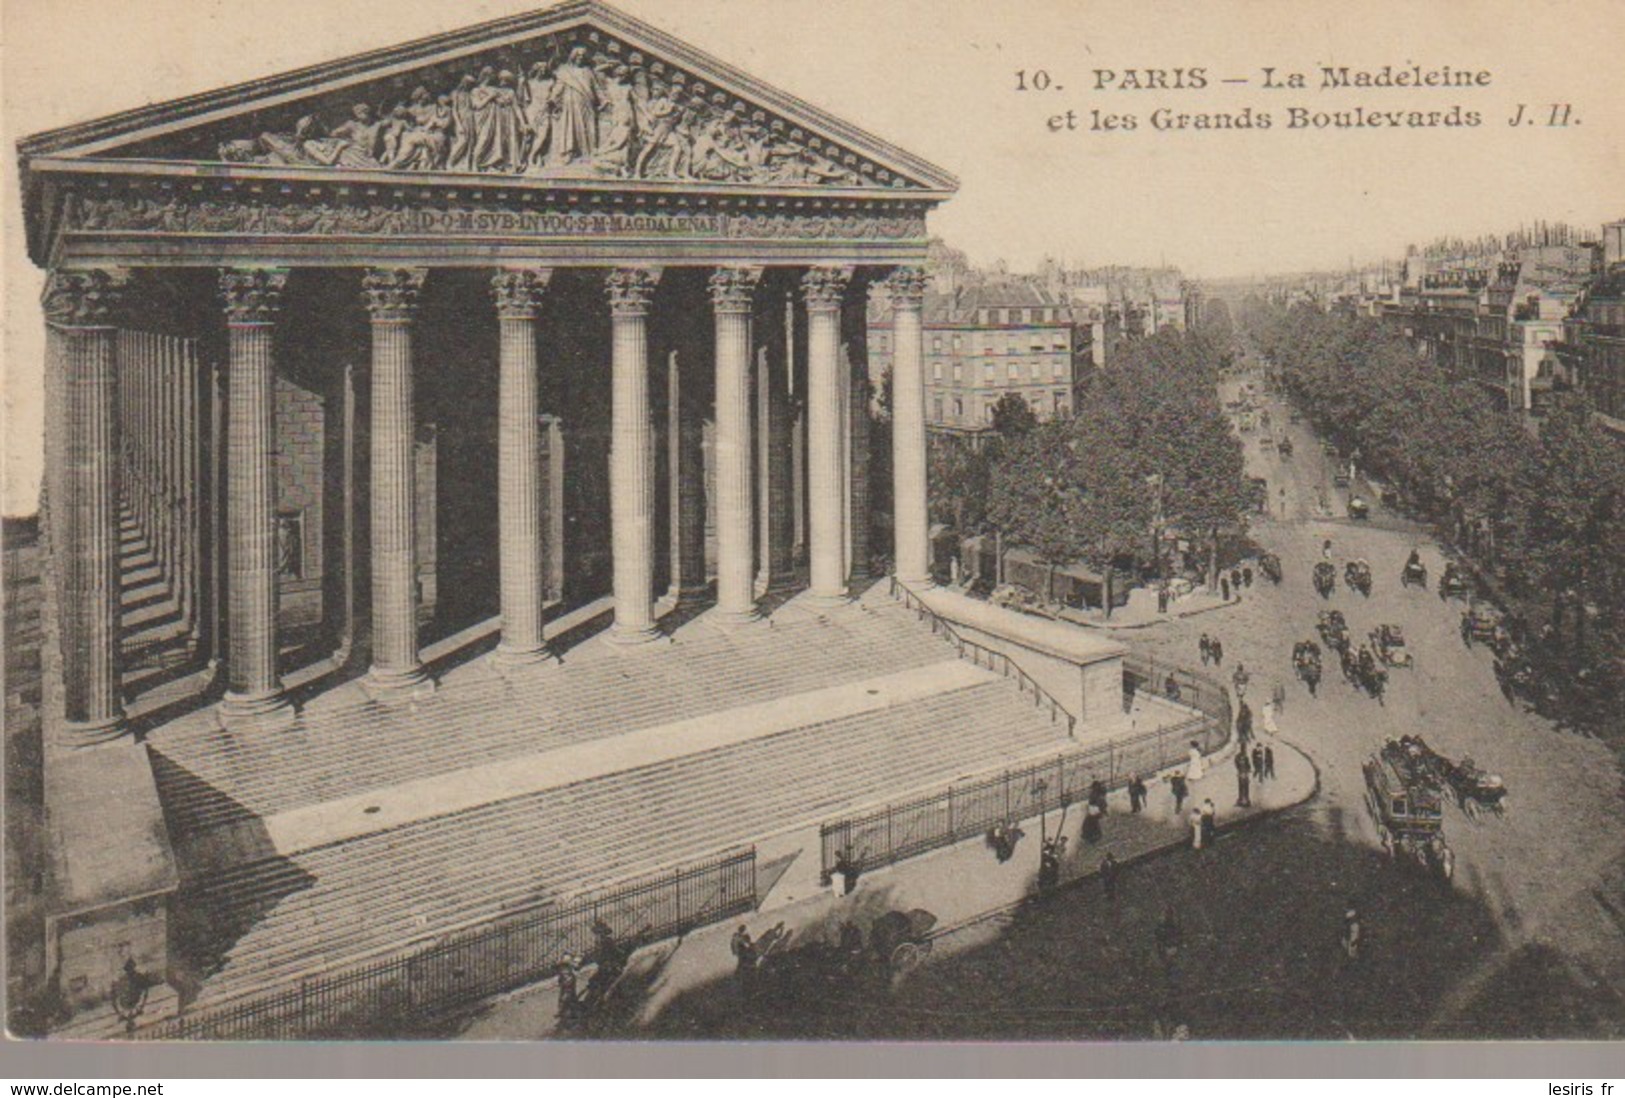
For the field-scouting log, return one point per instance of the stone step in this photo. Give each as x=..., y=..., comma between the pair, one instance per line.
x=382, y=890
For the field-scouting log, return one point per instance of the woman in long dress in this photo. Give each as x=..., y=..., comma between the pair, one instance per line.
x=1196, y=768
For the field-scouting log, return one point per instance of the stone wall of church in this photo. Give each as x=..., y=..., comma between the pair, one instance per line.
x=301, y=425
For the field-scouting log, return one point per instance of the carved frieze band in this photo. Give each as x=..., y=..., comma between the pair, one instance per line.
x=92, y=298
x=823, y=286
x=906, y=288
x=631, y=289
x=518, y=291
x=392, y=292
x=250, y=217
x=252, y=295
x=733, y=289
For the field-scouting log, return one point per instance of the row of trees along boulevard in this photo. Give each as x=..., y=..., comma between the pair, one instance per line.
x=1542, y=514
x=1148, y=452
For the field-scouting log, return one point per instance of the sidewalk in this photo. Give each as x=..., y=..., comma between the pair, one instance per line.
x=1141, y=610
x=962, y=885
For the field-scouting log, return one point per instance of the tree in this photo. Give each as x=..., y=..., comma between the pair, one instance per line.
x=1013, y=417
x=1036, y=498
x=958, y=482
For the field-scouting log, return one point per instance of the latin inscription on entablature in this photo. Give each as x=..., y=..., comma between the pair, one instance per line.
x=137, y=213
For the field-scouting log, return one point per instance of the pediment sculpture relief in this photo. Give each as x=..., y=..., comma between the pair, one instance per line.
x=569, y=116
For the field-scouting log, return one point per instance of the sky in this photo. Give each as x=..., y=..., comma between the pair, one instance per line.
x=939, y=78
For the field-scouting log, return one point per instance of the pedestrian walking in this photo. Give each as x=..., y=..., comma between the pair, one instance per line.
x=1258, y=762
x=1210, y=818
x=1109, y=868
x=1198, y=828
x=1049, y=865
x=848, y=867
x=1240, y=678
x=1235, y=581
x=1269, y=762
x=1197, y=767
x=1224, y=587
x=1170, y=687
x=1244, y=789
x=1162, y=599
x=1351, y=938
x=1218, y=651
x=1097, y=795
x=1092, y=816
x=1205, y=645
x=1180, y=790
x=1268, y=711
x=1136, y=794
x=744, y=951
x=1244, y=725
x=1247, y=575
x=1278, y=696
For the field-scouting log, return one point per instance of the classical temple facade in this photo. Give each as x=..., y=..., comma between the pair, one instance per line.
x=310, y=328
x=553, y=328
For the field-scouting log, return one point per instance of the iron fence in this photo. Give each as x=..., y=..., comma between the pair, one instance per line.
x=399, y=993
x=970, y=808
x=1192, y=688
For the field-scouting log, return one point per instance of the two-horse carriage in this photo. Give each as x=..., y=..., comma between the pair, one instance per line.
x=1473, y=787
x=1453, y=582
x=1388, y=642
x=1357, y=574
x=1359, y=509
x=1333, y=629
x=1306, y=663
x=1270, y=565
x=1325, y=579
x=1414, y=572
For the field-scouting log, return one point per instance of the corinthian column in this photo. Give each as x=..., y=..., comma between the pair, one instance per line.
x=519, y=468
x=81, y=309
x=392, y=299
x=631, y=459
x=252, y=299
x=906, y=287
x=732, y=292
x=823, y=287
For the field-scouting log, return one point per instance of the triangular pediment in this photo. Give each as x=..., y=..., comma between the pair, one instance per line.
x=577, y=92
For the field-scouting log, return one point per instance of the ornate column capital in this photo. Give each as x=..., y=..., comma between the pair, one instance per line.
x=906, y=287
x=89, y=298
x=823, y=286
x=518, y=291
x=392, y=292
x=252, y=295
x=733, y=289
x=631, y=289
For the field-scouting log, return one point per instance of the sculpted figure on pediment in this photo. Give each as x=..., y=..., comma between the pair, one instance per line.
x=613, y=113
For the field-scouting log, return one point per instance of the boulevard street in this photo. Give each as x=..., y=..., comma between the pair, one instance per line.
x=1516, y=946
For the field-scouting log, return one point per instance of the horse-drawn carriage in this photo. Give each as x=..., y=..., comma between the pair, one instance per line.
x=1479, y=623
x=1474, y=788
x=1325, y=579
x=1284, y=447
x=1403, y=800
x=1333, y=630
x=1357, y=574
x=1270, y=565
x=1414, y=572
x=1453, y=581
x=1306, y=662
x=1359, y=509
x=1388, y=642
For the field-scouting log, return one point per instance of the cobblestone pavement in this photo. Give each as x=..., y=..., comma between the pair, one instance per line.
x=1529, y=941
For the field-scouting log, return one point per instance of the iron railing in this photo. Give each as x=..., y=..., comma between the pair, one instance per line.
x=399, y=993
x=983, y=656
x=1192, y=688
x=971, y=807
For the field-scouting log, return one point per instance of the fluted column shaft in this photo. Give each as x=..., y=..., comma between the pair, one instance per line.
x=519, y=467
x=686, y=456
x=252, y=300
x=631, y=464
x=392, y=296
x=82, y=307
x=732, y=290
x=823, y=287
x=906, y=287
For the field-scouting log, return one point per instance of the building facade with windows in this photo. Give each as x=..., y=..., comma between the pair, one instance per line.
x=985, y=342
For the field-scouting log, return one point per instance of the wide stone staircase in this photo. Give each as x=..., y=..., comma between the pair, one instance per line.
x=271, y=919
x=153, y=635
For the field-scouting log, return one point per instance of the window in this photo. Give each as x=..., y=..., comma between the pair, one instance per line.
x=988, y=375
x=936, y=371
x=936, y=410
x=959, y=371
x=1015, y=371
x=1035, y=371
x=959, y=343
x=1037, y=343
x=1060, y=402
x=1060, y=369
x=936, y=344
x=959, y=409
